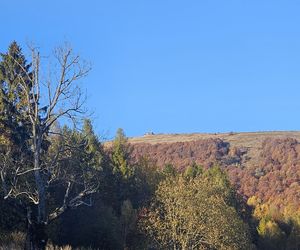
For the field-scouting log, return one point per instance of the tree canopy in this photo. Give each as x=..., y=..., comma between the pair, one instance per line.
x=187, y=213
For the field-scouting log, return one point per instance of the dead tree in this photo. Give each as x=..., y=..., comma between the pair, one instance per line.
x=47, y=101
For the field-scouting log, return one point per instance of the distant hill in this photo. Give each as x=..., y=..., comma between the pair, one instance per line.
x=261, y=164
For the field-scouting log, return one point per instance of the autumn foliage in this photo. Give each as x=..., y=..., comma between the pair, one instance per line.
x=275, y=177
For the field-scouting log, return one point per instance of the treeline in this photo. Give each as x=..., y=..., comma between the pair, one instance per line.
x=60, y=186
x=139, y=206
x=142, y=207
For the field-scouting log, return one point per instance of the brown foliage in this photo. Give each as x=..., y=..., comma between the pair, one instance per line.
x=273, y=177
x=279, y=165
x=181, y=154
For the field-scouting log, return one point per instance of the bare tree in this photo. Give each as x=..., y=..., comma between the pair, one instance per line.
x=28, y=179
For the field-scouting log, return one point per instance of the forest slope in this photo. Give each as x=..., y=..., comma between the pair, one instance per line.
x=261, y=164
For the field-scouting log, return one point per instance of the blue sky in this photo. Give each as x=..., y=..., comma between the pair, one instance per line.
x=175, y=66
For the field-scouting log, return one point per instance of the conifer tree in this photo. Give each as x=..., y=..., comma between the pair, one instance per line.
x=120, y=155
x=14, y=69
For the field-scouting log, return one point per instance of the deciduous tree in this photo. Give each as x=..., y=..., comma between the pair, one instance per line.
x=195, y=213
x=35, y=103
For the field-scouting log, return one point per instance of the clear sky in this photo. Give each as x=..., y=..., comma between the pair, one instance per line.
x=175, y=66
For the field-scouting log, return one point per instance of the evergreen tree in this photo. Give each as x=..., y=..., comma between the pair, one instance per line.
x=122, y=169
x=120, y=155
x=169, y=170
x=92, y=145
x=14, y=125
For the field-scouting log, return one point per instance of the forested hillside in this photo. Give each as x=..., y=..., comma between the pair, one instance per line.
x=61, y=187
x=268, y=169
x=263, y=167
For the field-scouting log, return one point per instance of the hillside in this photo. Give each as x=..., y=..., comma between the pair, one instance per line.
x=261, y=164
x=251, y=141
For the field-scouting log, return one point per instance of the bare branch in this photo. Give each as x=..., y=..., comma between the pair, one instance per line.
x=30, y=177
x=28, y=171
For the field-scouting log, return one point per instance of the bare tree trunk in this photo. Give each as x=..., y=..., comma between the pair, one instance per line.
x=38, y=178
x=36, y=237
x=29, y=179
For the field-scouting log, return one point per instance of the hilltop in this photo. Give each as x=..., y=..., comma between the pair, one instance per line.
x=251, y=141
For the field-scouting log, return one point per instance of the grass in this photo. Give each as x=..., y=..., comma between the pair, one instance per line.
x=16, y=241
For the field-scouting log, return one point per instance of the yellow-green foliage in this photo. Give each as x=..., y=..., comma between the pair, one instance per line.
x=269, y=228
x=253, y=201
x=271, y=236
x=196, y=213
x=276, y=230
x=193, y=170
